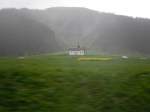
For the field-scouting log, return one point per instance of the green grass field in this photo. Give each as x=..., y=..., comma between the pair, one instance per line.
x=55, y=83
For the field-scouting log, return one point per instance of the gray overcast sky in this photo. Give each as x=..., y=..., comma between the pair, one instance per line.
x=135, y=8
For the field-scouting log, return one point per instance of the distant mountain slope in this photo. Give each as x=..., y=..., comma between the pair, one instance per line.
x=119, y=34
x=20, y=34
x=70, y=24
x=98, y=31
x=36, y=31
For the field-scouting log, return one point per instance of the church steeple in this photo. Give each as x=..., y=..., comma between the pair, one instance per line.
x=78, y=45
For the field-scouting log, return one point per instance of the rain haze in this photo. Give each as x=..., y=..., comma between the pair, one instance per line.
x=74, y=56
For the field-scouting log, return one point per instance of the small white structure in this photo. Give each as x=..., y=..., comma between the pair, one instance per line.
x=125, y=57
x=76, y=51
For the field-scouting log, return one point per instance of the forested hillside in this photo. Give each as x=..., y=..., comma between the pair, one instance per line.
x=21, y=35
x=24, y=31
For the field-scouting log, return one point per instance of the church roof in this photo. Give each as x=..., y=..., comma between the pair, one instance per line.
x=76, y=49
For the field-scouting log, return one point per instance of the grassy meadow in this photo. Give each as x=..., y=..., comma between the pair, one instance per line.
x=59, y=83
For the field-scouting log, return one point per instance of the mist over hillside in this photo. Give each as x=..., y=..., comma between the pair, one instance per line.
x=21, y=35
x=26, y=31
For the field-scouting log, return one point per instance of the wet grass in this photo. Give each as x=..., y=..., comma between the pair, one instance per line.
x=56, y=83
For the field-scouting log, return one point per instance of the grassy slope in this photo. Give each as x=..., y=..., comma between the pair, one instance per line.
x=63, y=84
